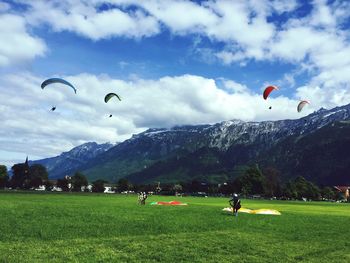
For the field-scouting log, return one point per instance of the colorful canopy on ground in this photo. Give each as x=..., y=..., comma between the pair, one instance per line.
x=256, y=212
x=168, y=203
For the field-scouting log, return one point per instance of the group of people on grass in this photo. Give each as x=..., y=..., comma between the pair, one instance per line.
x=234, y=202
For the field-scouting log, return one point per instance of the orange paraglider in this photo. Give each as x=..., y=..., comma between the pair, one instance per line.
x=268, y=90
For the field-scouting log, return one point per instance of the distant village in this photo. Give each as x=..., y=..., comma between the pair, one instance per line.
x=252, y=184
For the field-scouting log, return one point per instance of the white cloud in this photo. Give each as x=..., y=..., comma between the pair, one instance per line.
x=242, y=22
x=180, y=16
x=16, y=44
x=235, y=87
x=228, y=57
x=295, y=43
x=322, y=15
x=319, y=42
x=85, y=19
x=324, y=97
x=281, y=6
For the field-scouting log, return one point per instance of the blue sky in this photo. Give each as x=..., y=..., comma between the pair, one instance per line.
x=150, y=58
x=172, y=62
x=164, y=54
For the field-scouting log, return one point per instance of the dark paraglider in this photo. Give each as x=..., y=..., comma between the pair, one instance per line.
x=111, y=95
x=57, y=80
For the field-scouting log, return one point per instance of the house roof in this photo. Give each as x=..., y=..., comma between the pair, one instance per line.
x=342, y=188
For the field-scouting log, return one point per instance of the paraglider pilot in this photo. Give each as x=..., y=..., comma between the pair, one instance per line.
x=235, y=203
x=142, y=198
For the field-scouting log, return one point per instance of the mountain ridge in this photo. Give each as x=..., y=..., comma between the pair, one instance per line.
x=230, y=137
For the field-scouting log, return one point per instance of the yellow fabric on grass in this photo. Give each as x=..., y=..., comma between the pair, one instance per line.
x=257, y=211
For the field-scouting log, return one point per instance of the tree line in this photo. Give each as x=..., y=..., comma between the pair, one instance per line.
x=253, y=182
x=30, y=177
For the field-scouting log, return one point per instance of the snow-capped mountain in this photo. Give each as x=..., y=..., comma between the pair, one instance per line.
x=231, y=138
x=225, y=134
x=69, y=162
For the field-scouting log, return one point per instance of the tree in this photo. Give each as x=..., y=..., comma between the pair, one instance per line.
x=251, y=182
x=98, y=186
x=313, y=192
x=78, y=181
x=194, y=186
x=328, y=193
x=272, y=182
x=26, y=177
x=37, y=175
x=177, y=188
x=301, y=188
x=48, y=185
x=3, y=176
x=63, y=184
x=289, y=190
x=123, y=185
x=20, y=175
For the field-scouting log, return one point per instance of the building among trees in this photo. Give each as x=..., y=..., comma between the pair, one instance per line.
x=344, y=191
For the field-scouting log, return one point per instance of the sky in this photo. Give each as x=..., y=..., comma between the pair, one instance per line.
x=175, y=62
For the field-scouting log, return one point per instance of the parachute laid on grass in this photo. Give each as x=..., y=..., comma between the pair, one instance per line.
x=255, y=212
x=268, y=90
x=302, y=104
x=168, y=203
x=266, y=212
x=57, y=80
x=111, y=95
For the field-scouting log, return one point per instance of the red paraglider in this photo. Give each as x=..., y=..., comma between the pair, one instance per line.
x=268, y=90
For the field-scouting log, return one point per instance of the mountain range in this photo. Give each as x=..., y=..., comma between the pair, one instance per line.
x=71, y=161
x=316, y=147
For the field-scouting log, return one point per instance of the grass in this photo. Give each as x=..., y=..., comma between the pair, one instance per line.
x=113, y=228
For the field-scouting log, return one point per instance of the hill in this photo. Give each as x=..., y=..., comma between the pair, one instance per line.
x=216, y=152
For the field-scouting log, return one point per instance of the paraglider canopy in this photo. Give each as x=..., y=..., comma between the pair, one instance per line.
x=57, y=80
x=302, y=104
x=111, y=95
x=168, y=203
x=268, y=90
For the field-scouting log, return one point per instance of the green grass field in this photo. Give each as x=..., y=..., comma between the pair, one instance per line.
x=113, y=228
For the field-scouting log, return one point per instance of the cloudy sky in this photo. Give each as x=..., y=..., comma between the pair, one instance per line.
x=172, y=62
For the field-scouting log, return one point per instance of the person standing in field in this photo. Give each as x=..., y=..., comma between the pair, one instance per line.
x=139, y=198
x=144, y=197
x=235, y=203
